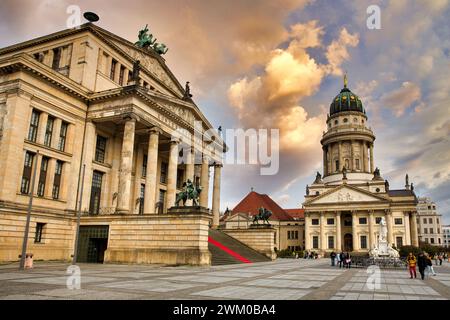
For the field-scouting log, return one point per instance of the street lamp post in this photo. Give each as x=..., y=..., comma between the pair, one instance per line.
x=27, y=224
x=75, y=247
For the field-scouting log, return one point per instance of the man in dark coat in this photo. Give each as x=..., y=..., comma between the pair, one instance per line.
x=422, y=264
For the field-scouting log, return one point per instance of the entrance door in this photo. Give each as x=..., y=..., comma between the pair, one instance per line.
x=348, y=242
x=96, y=250
x=92, y=243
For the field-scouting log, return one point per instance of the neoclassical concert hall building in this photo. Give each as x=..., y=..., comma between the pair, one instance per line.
x=345, y=204
x=86, y=100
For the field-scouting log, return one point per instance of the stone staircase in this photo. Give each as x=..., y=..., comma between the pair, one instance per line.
x=227, y=250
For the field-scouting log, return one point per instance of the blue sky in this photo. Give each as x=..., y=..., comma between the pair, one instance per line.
x=238, y=54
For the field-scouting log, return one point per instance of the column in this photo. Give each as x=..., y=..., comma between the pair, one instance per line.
x=204, y=182
x=340, y=156
x=407, y=228
x=371, y=158
x=42, y=127
x=307, y=236
x=329, y=162
x=322, y=244
x=88, y=156
x=126, y=163
x=365, y=159
x=172, y=174
x=390, y=235
x=338, y=231
x=371, y=235
x=325, y=171
x=413, y=225
x=152, y=167
x=56, y=131
x=354, y=233
x=216, y=195
x=50, y=178
x=352, y=156
x=190, y=169
x=135, y=203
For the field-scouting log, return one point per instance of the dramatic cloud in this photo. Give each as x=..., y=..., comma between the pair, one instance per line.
x=402, y=98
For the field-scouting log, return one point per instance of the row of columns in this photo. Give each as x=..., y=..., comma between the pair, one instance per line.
x=364, y=164
x=125, y=171
x=410, y=224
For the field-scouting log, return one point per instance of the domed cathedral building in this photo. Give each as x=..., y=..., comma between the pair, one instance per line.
x=344, y=206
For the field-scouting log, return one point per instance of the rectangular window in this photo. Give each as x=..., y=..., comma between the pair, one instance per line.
x=398, y=221
x=34, y=125
x=26, y=175
x=330, y=221
x=39, y=232
x=141, y=199
x=130, y=76
x=162, y=199
x=121, y=75
x=42, y=177
x=62, y=136
x=424, y=220
x=180, y=178
x=144, y=166
x=430, y=220
x=163, y=177
x=96, y=190
x=399, y=242
x=57, y=180
x=289, y=235
x=437, y=221
x=363, y=242
x=377, y=220
x=357, y=164
x=315, y=222
x=337, y=166
x=362, y=220
x=425, y=230
x=431, y=231
x=49, y=131
x=295, y=234
x=100, y=149
x=426, y=240
x=112, y=72
x=330, y=242
x=56, y=58
x=315, y=242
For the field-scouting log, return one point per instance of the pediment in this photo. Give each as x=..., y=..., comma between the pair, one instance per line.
x=345, y=194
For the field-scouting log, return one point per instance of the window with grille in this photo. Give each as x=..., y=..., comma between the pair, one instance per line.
x=49, y=131
x=430, y=220
x=377, y=220
x=34, y=125
x=96, y=190
x=62, y=136
x=163, y=177
x=363, y=243
x=112, y=72
x=330, y=242
x=315, y=222
x=26, y=175
x=362, y=220
x=144, y=166
x=57, y=180
x=315, y=242
x=330, y=221
x=100, y=149
x=39, y=232
x=399, y=242
x=398, y=221
x=357, y=164
x=42, y=177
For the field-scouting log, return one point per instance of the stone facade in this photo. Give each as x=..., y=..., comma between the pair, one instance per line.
x=429, y=222
x=344, y=205
x=260, y=238
x=67, y=101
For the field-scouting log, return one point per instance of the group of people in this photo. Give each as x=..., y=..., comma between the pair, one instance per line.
x=439, y=257
x=310, y=255
x=343, y=260
x=424, y=262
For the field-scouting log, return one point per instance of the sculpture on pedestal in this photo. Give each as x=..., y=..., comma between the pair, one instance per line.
x=263, y=214
x=189, y=192
x=382, y=248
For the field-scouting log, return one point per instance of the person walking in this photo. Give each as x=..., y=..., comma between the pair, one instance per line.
x=430, y=265
x=348, y=260
x=342, y=260
x=440, y=258
x=412, y=265
x=339, y=260
x=422, y=264
x=332, y=257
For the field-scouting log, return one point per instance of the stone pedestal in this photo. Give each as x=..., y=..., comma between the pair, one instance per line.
x=260, y=237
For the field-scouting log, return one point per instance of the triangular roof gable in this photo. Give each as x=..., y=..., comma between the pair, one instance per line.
x=150, y=60
x=346, y=193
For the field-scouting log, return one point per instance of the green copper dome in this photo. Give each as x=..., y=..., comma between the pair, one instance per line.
x=346, y=101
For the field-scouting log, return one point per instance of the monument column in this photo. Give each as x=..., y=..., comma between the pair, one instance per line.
x=413, y=224
x=204, y=182
x=126, y=163
x=322, y=244
x=307, y=235
x=407, y=228
x=152, y=167
x=338, y=231
x=371, y=158
x=390, y=235
x=354, y=233
x=216, y=195
x=371, y=235
x=172, y=174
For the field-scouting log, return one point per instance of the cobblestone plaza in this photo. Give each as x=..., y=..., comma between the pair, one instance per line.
x=283, y=279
